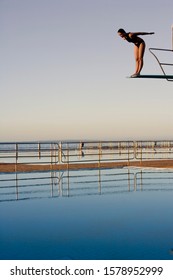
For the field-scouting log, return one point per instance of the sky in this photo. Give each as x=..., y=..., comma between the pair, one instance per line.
x=64, y=69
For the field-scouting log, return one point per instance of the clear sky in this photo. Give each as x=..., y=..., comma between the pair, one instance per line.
x=63, y=70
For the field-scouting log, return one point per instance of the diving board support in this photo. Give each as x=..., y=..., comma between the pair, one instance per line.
x=172, y=35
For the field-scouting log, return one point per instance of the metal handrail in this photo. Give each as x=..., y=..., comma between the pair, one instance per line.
x=29, y=152
x=96, y=151
x=52, y=153
x=162, y=63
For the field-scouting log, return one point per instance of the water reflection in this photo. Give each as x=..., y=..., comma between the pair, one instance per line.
x=20, y=186
x=89, y=214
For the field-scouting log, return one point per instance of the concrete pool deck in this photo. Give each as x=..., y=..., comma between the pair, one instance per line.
x=11, y=167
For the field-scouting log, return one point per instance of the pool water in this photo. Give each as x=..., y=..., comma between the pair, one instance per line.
x=123, y=214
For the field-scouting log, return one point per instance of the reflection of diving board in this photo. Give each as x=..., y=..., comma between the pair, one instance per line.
x=168, y=77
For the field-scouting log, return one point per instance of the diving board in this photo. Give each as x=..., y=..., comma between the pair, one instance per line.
x=168, y=77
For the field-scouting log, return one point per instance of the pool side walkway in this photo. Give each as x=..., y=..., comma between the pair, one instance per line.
x=11, y=167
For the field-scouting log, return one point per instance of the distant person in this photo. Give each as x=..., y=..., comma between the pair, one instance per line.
x=139, y=47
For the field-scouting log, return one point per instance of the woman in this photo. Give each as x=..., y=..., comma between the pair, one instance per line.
x=139, y=47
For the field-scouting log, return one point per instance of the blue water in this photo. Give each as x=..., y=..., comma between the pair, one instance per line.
x=90, y=214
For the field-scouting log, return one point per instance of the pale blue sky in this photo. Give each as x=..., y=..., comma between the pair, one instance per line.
x=63, y=70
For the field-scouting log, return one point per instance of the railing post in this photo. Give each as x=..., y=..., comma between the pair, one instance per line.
x=100, y=148
x=134, y=149
x=39, y=151
x=51, y=151
x=141, y=151
x=60, y=152
x=16, y=157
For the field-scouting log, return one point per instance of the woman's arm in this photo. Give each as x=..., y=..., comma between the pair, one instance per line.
x=141, y=33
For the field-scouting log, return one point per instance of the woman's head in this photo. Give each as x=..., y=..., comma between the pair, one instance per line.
x=121, y=32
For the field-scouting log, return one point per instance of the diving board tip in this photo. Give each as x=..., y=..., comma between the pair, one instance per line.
x=168, y=77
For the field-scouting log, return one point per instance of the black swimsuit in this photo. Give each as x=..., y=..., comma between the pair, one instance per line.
x=136, y=40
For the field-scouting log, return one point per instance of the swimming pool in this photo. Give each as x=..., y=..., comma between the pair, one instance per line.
x=90, y=214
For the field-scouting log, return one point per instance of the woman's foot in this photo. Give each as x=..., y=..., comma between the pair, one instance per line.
x=135, y=75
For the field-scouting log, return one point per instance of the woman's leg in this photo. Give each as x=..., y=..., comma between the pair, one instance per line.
x=136, y=53
x=139, y=54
